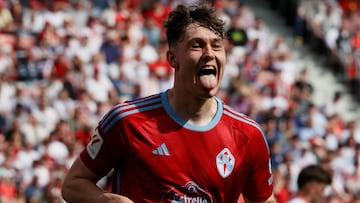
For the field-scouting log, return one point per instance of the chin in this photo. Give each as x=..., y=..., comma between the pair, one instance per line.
x=212, y=92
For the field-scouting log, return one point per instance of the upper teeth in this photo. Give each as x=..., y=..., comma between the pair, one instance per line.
x=208, y=67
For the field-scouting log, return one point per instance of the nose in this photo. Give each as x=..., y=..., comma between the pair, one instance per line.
x=208, y=53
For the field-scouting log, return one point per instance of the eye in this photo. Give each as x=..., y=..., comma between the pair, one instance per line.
x=217, y=45
x=195, y=46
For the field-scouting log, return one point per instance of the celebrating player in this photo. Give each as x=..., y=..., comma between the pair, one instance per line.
x=181, y=145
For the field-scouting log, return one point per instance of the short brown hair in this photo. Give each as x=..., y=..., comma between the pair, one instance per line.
x=203, y=14
x=313, y=173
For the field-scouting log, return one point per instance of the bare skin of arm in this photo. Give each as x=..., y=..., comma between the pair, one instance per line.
x=271, y=199
x=80, y=186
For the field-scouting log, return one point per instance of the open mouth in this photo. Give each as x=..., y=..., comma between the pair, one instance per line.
x=207, y=71
x=207, y=76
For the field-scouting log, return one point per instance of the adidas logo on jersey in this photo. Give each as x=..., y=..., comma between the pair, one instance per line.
x=162, y=150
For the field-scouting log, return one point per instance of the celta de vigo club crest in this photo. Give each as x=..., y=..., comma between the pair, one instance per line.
x=225, y=162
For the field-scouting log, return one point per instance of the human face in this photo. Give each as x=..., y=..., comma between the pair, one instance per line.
x=199, y=60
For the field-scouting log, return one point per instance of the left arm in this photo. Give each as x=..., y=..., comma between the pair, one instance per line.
x=259, y=184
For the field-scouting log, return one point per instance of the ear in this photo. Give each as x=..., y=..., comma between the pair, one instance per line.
x=171, y=58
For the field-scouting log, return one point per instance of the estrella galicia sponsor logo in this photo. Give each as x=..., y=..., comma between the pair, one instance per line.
x=225, y=162
x=189, y=193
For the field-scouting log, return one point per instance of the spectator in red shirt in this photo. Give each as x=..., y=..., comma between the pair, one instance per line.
x=355, y=41
x=159, y=12
x=7, y=190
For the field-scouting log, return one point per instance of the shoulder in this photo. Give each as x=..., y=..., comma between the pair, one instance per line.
x=129, y=108
x=240, y=118
x=247, y=126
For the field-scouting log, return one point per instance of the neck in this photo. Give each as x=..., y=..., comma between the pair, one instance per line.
x=304, y=197
x=196, y=111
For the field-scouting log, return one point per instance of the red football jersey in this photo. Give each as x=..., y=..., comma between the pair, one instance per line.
x=159, y=157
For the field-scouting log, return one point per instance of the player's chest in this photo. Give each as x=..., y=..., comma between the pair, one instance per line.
x=211, y=156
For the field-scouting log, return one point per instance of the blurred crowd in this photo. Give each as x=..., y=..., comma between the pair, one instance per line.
x=64, y=63
x=332, y=29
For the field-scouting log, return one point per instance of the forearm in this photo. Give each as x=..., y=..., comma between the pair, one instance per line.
x=81, y=190
x=85, y=191
x=80, y=186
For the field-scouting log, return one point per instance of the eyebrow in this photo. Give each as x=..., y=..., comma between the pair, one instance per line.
x=217, y=39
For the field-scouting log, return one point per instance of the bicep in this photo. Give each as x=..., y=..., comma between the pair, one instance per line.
x=80, y=184
x=80, y=171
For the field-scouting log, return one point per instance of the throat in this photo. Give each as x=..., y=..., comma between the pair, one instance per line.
x=201, y=121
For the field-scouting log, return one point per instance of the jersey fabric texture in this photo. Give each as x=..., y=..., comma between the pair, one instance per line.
x=159, y=157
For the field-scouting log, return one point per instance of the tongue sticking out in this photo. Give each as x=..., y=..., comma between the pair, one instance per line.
x=208, y=81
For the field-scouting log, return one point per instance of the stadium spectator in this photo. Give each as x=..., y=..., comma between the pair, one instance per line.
x=311, y=183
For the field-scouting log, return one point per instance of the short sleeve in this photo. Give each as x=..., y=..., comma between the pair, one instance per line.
x=259, y=183
x=99, y=154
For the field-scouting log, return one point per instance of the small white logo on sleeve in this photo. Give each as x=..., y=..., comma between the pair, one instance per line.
x=225, y=162
x=270, y=166
x=270, y=180
x=94, y=145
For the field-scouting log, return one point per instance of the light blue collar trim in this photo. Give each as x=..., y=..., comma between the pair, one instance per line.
x=185, y=124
